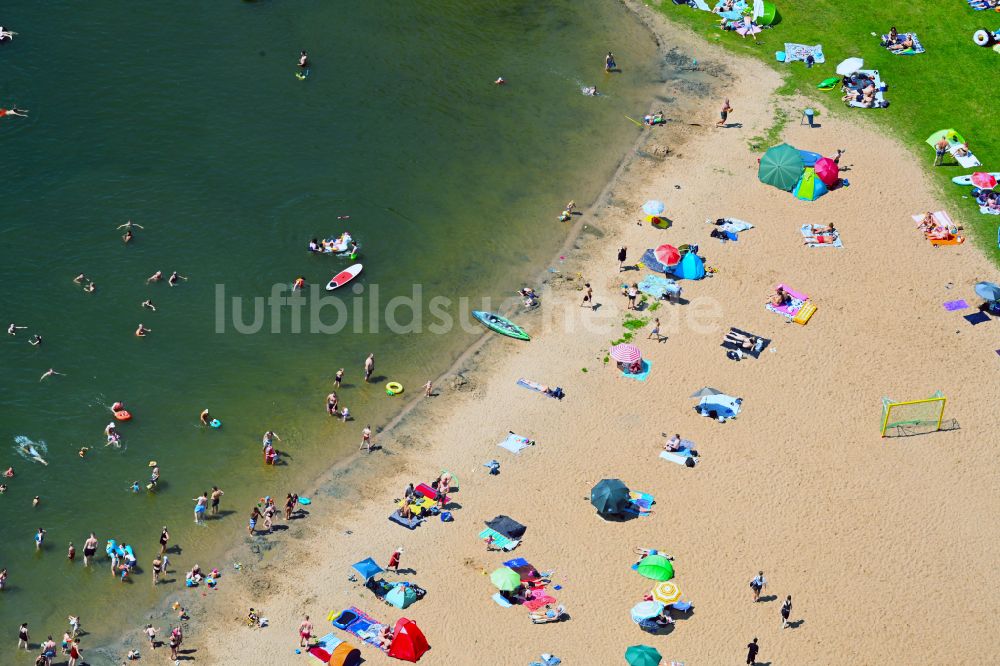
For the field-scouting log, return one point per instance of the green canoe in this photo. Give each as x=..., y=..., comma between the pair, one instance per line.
x=501, y=325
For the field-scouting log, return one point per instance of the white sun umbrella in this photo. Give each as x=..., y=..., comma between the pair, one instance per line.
x=850, y=66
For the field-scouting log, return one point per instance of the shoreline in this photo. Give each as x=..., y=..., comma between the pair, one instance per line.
x=482, y=374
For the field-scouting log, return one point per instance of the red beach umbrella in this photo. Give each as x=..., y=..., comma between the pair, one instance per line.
x=827, y=171
x=984, y=181
x=626, y=353
x=668, y=255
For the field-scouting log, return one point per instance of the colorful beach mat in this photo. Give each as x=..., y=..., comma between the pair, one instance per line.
x=795, y=52
x=791, y=309
x=364, y=626
x=499, y=540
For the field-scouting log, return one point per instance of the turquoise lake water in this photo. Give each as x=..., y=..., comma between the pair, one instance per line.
x=186, y=118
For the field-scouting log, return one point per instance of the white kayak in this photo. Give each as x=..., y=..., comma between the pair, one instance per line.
x=343, y=277
x=967, y=180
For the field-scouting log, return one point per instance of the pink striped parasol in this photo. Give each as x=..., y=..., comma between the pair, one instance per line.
x=626, y=353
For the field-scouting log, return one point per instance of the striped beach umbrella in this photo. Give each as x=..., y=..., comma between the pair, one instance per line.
x=626, y=353
x=666, y=592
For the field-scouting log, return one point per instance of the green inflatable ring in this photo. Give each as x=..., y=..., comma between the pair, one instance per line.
x=393, y=388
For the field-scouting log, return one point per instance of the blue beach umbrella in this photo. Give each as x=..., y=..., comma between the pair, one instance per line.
x=645, y=610
x=367, y=568
x=653, y=207
x=988, y=291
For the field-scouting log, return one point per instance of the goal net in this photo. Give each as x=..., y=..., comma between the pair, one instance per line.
x=912, y=417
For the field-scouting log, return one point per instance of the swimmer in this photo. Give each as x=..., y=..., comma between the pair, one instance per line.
x=343, y=217
x=49, y=373
x=79, y=279
x=205, y=417
x=269, y=438
x=110, y=429
x=39, y=538
x=13, y=329
x=127, y=237
x=500, y=81
x=609, y=62
x=135, y=486
x=155, y=277
x=83, y=451
x=172, y=280
x=36, y=501
x=6, y=34
x=14, y=111
x=303, y=60
x=128, y=226
x=148, y=304
x=142, y=331
x=90, y=288
x=299, y=283
x=35, y=340
x=331, y=403
x=590, y=91
x=429, y=389
x=3, y=488
x=9, y=474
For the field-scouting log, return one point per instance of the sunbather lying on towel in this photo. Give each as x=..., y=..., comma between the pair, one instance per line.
x=548, y=615
x=744, y=341
x=645, y=552
x=821, y=234
x=653, y=118
x=780, y=297
x=385, y=637
x=726, y=6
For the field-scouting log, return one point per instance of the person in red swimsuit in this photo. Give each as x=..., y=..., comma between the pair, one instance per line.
x=14, y=112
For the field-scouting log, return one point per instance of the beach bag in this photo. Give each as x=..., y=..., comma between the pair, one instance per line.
x=446, y=517
x=689, y=462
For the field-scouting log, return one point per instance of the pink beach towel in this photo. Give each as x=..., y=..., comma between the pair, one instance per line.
x=539, y=601
x=790, y=310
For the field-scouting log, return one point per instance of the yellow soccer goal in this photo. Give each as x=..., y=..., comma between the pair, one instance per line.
x=912, y=417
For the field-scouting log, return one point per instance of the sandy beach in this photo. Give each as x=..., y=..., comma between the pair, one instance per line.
x=888, y=546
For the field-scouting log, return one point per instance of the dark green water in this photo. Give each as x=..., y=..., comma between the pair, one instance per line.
x=186, y=117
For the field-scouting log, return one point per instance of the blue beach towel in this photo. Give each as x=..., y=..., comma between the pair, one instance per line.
x=515, y=443
x=640, y=504
x=503, y=603
x=643, y=374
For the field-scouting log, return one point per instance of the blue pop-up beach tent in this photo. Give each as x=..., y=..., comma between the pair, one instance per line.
x=367, y=568
x=692, y=267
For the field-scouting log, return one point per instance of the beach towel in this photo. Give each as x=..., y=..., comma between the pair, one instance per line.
x=516, y=562
x=977, y=318
x=538, y=601
x=822, y=240
x=951, y=306
x=791, y=309
x=503, y=603
x=499, y=540
x=914, y=50
x=408, y=523
x=363, y=626
x=702, y=5
x=979, y=5
x=515, y=443
x=802, y=51
x=556, y=392
x=322, y=648
x=754, y=351
x=659, y=286
x=967, y=161
x=986, y=210
x=731, y=225
x=941, y=219
x=643, y=373
x=680, y=456
x=639, y=504
x=739, y=8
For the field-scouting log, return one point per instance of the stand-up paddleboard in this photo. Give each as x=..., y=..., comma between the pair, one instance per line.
x=501, y=325
x=343, y=277
x=967, y=180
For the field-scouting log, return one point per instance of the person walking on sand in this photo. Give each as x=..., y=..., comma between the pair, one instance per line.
x=331, y=403
x=74, y=652
x=366, y=439
x=216, y=496
x=588, y=297
x=752, y=649
x=164, y=538
x=173, y=643
x=150, y=632
x=369, y=366
x=655, y=333
x=786, y=611
x=622, y=255
x=394, y=560
x=89, y=548
x=758, y=585
x=428, y=389
x=305, y=632
x=339, y=377
x=199, y=507
x=724, y=113
x=632, y=293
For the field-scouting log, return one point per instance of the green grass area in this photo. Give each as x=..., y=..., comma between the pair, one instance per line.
x=952, y=84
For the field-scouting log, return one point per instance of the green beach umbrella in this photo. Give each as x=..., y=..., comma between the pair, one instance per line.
x=506, y=579
x=949, y=134
x=643, y=655
x=656, y=567
x=781, y=166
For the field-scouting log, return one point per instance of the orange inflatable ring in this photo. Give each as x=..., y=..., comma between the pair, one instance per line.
x=122, y=415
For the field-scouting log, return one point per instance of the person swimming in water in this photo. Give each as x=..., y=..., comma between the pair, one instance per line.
x=299, y=284
x=142, y=331
x=500, y=81
x=303, y=60
x=172, y=280
x=148, y=304
x=49, y=373
x=155, y=277
x=14, y=328
x=90, y=288
x=205, y=417
x=35, y=340
x=127, y=238
x=609, y=62
x=80, y=279
x=14, y=111
x=128, y=226
x=591, y=91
